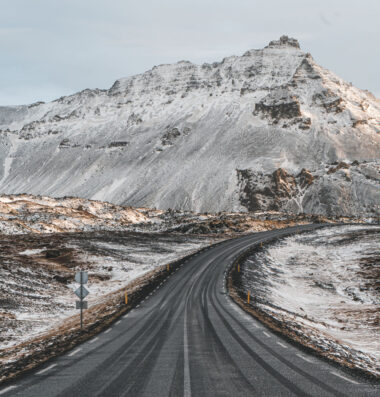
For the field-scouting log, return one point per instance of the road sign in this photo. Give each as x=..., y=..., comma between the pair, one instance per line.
x=81, y=277
x=84, y=277
x=81, y=304
x=81, y=292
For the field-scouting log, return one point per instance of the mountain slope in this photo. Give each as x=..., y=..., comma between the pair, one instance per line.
x=260, y=131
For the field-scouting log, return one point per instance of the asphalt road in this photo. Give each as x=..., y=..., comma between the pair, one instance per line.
x=189, y=339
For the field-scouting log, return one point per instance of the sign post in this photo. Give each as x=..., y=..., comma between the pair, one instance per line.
x=81, y=277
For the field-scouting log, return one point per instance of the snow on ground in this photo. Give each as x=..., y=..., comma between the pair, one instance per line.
x=37, y=283
x=326, y=282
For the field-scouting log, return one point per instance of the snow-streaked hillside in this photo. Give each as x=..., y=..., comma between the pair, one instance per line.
x=37, y=289
x=205, y=137
x=324, y=287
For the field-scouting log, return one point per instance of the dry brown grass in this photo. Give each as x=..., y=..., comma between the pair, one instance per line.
x=28, y=355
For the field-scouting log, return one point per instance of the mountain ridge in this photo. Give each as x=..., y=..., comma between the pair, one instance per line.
x=180, y=135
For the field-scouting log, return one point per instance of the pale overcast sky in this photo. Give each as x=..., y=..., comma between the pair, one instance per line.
x=51, y=48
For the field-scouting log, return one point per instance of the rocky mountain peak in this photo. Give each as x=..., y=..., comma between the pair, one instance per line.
x=205, y=138
x=284, y=41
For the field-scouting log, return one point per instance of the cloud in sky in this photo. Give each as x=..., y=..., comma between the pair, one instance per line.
x=51, y=48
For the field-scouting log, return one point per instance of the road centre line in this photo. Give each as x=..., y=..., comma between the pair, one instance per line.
x=94, y=340
x=108, y=330
x=281, y=344
x=46, y=369
x=304, y=358
x=74, y=352
x=266, y=334
x=7, y=389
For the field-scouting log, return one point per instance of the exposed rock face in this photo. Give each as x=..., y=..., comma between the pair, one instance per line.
x=284, y=184
x=284, y=41
x=279, y=104
x=267, y=192
x=174, y=136
x=329, y=101
x=334, y=190
x=306, y=178
x=169, y=137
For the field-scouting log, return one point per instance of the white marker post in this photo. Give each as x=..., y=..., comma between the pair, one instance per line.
x=81, y=277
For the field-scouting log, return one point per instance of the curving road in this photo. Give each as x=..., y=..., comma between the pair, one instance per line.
x=189, y=339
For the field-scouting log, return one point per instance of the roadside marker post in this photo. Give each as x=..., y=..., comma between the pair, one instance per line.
x=126, y=298
x=168, y=267
x=248, y=297
x=81, y=277
x=238, y=269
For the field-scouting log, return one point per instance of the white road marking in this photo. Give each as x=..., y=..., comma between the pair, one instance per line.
x=281, y=344
x=74, y=352
x=47, y=369
x=266, y=334
x=186, y=380
x=7, y=389
x=304, y=358
x=186, y=364
x=125, y=315
x=94, y=340
x=118, y=322
x=108, y=330
x=343, y=377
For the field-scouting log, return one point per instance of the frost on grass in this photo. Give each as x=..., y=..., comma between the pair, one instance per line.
x=324, y=285
x=37, y=273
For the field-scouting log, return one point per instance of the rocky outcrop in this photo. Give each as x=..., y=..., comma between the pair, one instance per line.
x=284, y=183
x=278, y=104
x=305, y=178
x=169, y=137
x=266, y=192
x=332, y=190
x=281, y=106
x=284, y=41
x=339, y=166
x=329, y=101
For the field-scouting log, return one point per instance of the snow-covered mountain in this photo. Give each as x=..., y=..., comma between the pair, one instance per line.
x=266, y=130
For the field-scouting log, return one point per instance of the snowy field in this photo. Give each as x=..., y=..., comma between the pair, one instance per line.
x=37, y=287
x=326, y=285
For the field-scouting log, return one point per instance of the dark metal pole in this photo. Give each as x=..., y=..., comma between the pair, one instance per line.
x=81, y=300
